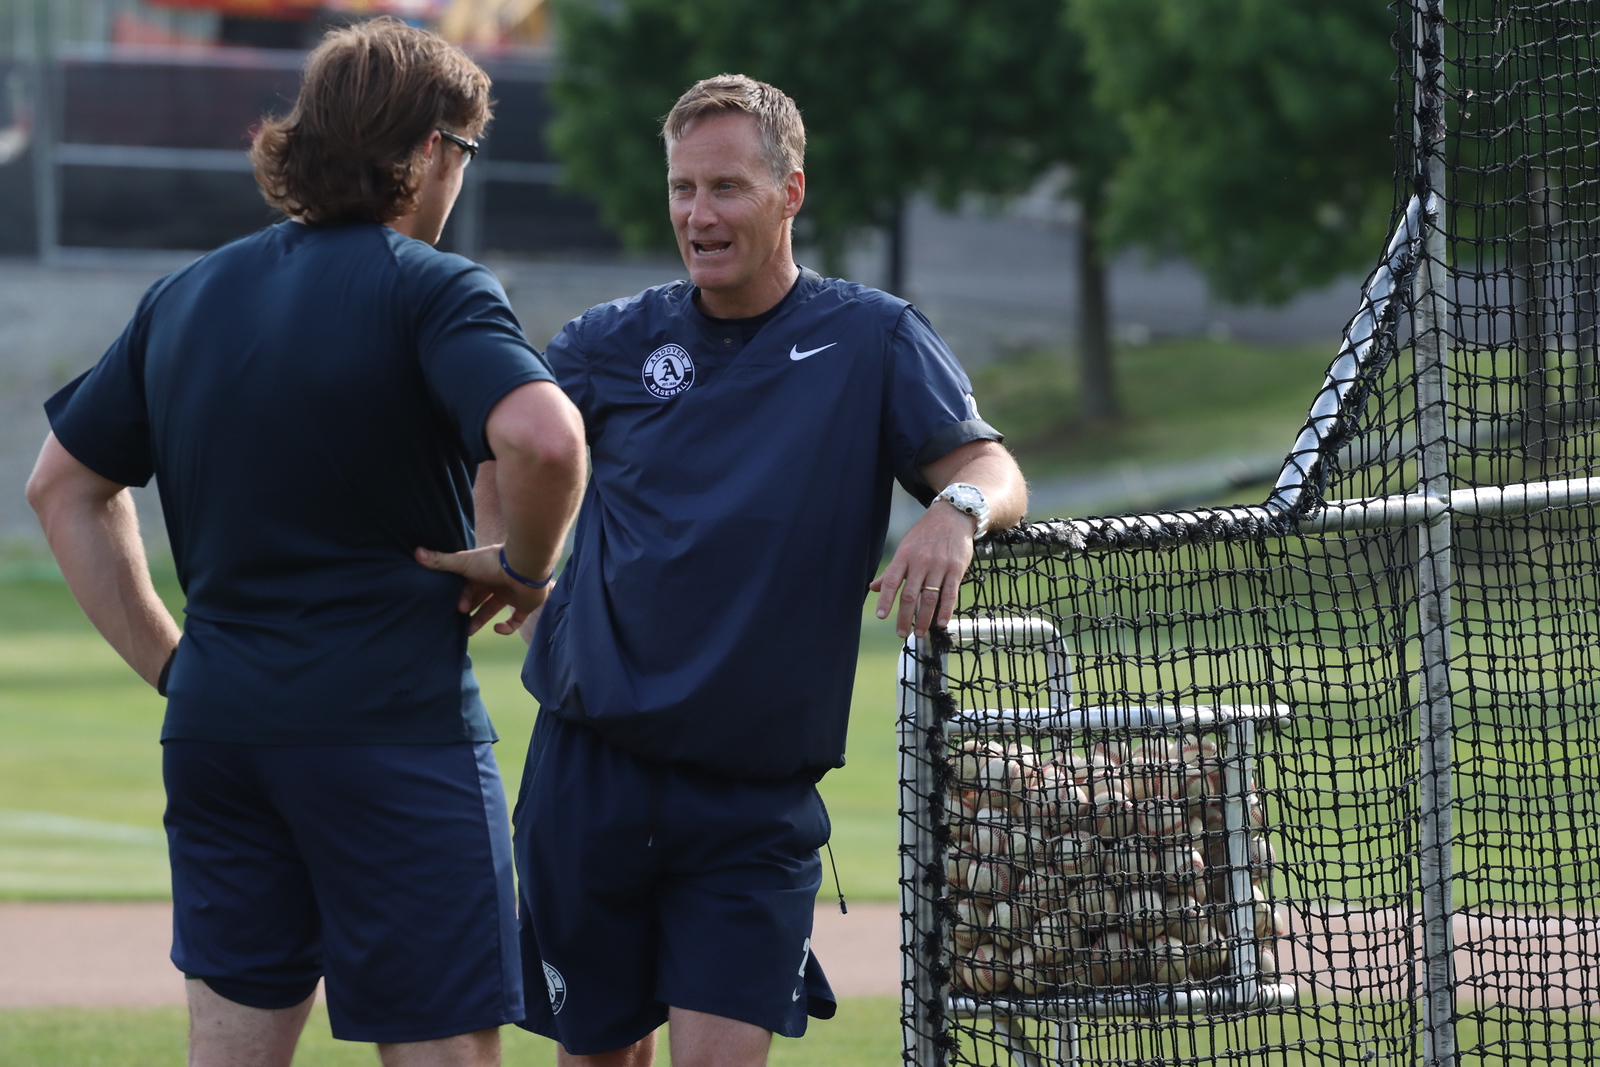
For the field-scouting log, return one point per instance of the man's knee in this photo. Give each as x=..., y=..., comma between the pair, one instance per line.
x=641, y=1053
x=481, y=1048
x=703, y=1040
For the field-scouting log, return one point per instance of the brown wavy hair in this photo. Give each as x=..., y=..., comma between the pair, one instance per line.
x=372, y=94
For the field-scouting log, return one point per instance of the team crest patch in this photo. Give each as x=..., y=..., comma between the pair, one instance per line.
x=556, y=986
x=668, y=372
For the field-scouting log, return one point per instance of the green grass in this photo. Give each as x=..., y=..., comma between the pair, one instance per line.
x=80, y=764
x=1181, y=400
x=865, y=1032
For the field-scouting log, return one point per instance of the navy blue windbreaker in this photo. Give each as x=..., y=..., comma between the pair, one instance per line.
x=710, y=613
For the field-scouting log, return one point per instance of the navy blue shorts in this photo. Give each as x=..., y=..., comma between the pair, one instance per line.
x=645, y=885
x=385, y=869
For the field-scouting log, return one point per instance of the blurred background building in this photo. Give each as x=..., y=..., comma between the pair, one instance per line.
x=124, y=123
x=124, y=126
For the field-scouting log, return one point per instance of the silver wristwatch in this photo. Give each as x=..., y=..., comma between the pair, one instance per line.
x=969, y=499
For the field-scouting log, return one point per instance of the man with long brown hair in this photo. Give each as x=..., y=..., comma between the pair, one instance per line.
x=314, y=400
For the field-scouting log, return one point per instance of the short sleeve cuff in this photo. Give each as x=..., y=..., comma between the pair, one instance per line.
x=940, y=445
x=493, y=397
x=124, y=466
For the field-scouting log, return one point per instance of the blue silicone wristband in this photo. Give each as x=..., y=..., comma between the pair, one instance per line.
x=515, y=577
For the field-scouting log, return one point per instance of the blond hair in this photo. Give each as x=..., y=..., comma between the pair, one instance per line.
x=783, y=135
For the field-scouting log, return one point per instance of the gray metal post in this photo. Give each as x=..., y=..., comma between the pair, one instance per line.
x=1238, y=778
x=918, y=853
x=35, y=23
x=1436, y=712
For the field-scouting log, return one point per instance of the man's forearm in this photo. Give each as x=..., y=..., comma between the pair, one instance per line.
x=537, y=437
x=538, y=496
x=94, y=533
x=990, y=468
x=487, y=523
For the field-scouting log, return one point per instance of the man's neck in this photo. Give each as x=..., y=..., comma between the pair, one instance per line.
x=764, y=293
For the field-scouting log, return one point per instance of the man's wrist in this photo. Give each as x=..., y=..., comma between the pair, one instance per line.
x=969, y=500
x=951, y=509
x=521, y=579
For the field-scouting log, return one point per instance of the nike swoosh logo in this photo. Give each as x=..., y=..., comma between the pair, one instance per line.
x=793, y=997
x=796, y=354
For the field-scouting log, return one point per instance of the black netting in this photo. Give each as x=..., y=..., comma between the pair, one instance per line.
x=1314, y=780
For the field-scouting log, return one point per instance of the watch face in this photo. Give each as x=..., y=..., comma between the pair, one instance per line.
x=965, y=498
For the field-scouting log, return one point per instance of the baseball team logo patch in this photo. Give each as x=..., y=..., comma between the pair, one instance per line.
x=668, y=372
x=556, y=986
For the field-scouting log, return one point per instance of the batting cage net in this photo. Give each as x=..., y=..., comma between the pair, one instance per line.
x=1311, y=781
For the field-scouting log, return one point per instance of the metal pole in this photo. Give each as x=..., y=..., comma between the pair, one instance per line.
x=1435, y=706
x=923, y=999
x=35, y=24
x=1238, y=778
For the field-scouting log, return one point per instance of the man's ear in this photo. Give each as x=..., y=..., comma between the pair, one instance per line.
x=430, y=148
x=794, y=193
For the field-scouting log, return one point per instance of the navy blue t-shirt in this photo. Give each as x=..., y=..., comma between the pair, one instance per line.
x=312, y=404
x=710, y=612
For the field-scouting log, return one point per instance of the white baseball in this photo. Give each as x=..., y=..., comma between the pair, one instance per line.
x=1181, y=865
x=1144, y=914
x=1075, y=855
x=971, y=925
x=1110, y=959
x=1093, y=905
x=990, y=829
x=1185, y=921
x=1013, y=922
x=991, y=878
x=1112, y=813
x=1029, y=976
x=1162, y=817
x=969, y=759
x=988, y=969
x=1054, y=937
x=1208, y=957
x=1169, y=961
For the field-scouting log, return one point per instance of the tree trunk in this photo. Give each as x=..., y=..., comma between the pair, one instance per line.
x=1097, y=394
x=895, y=252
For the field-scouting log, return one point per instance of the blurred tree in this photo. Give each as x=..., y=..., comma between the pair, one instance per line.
x=1026, y=106
x=1248, y=136
x=898, y=95
x=868, y=75
x=1258, y=134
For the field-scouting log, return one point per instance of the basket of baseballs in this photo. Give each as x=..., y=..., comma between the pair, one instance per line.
x=1089, y=872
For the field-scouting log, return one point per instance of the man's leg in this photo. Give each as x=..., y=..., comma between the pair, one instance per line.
x=701, y=1040
x=478, y=1049
x=641, y=1053
x=223, y=1033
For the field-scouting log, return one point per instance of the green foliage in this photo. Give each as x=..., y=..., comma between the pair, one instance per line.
x=870, y=76
x=1258, y=134
x=1250, y=137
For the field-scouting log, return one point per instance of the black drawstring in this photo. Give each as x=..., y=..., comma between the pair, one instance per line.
x=842, y=909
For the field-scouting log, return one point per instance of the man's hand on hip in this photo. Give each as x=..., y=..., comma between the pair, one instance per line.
x=488, y=588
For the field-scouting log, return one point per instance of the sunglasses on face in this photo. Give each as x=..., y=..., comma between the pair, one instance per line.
x=468, y=147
